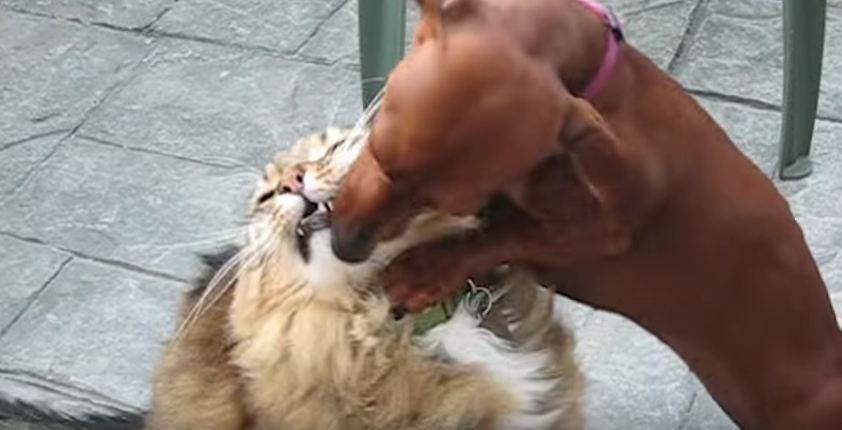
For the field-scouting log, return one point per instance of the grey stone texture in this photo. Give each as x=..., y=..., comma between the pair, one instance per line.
x=25, y=271
x=94, y=334
x=128, y=207
x=131, y=134
x=53, y=72
x=224, y=105
x=133, y=14
x=21, y=160
x=282, y=26
x=656, y=27
x=634, y=380
x=738, y=51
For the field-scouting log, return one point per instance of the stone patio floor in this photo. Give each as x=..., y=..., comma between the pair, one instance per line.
x=131, y=133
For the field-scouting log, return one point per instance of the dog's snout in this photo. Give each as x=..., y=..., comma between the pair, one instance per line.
x=350, y=247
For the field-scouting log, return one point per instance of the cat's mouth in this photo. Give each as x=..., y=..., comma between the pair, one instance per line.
x=316, y=217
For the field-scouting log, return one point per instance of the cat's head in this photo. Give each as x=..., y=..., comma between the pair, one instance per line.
x=290, y=215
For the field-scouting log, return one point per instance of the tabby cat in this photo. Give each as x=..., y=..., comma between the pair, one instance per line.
x=286, y=336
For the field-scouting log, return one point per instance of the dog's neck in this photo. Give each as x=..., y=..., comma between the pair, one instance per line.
x=582, y=46
x=613, y=40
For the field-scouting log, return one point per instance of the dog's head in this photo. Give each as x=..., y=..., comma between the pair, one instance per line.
x=465, y=115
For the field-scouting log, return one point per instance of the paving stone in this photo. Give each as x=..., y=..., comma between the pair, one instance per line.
x=633, y=380
x=19, y=161
x=739, y=51
x=336, y=40
x=573, y=315
x=813, y=196
x=24, y=270
x=277, y=25
x=655, y=27
x=705, y=414
x=225, y=105
x=54, y=72
x=836, y=298
x=132, y=207
x=97, y=330
x=816, y=205
x=755, y=132
x=119, y=13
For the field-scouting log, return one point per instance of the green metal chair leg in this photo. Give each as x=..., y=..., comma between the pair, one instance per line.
x=804, y=23
x=382, y=33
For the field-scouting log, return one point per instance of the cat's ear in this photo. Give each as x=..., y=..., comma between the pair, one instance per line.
x=431, y=13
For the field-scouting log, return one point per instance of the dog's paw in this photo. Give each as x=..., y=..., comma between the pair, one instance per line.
x=419, y=279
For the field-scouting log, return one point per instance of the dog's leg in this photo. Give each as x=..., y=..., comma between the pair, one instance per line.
x=431, y=272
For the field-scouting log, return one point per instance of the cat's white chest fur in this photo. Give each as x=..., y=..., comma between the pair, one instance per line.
x=462, y=340
x=324, y=269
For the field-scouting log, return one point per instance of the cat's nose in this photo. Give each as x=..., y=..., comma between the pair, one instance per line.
x=292, y=184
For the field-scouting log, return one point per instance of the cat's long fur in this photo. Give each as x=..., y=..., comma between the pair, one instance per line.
x=309, y=343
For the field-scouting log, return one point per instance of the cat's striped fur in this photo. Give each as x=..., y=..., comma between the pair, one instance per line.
x=305, y=341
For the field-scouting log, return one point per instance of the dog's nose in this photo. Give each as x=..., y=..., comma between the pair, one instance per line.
x=350, y=247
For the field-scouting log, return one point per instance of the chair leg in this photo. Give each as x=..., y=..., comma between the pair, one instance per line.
x=381, y=37
x=804, y=23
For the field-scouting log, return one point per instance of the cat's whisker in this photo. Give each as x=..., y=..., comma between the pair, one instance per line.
x=349, y=146
x=373, y=79
x=250, y=173
x=214, y=239
x=256, y=255
x=261, y=246
x=230, y=162
x=215, y=289
x=364, y=122
x=260, y=241
x=198, y=307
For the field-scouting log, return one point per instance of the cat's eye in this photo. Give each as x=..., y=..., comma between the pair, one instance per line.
x=265, y=197
x=300, y=178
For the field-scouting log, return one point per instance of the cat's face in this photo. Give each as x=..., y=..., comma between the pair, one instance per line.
x=290, y=212
x=292, y=199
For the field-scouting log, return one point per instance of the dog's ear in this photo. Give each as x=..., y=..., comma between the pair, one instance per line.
x=609, y=168
x=431, y=13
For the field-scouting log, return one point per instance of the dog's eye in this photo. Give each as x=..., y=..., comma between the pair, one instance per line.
x=264, y=197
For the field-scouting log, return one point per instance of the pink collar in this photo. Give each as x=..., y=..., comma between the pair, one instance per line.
x=615, y=37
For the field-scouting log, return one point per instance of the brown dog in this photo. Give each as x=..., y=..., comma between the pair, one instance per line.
x=636, y=202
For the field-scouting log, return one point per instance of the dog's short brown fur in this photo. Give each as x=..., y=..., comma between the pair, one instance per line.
x=636, y=202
